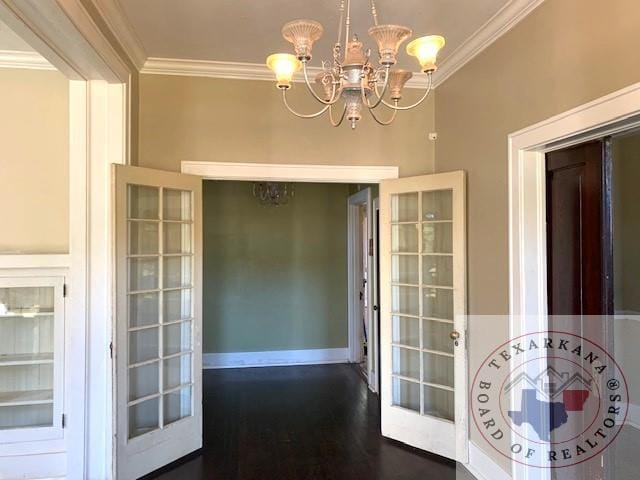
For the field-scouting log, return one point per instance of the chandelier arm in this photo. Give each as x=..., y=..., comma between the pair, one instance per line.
x=339, y=122
x=409, y=107
x=380, y=96
x=334, y=97
x=302, y=115
x=384, y=123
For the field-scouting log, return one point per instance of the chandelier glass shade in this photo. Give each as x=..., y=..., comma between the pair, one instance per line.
x=351, y=83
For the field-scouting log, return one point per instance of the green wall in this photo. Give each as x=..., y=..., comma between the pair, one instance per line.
x=275, y=278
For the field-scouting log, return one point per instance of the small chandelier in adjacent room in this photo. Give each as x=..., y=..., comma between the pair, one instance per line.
x=273, y=193
x=351, y=78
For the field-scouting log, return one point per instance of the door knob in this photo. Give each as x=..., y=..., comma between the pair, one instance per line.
x=454, y=335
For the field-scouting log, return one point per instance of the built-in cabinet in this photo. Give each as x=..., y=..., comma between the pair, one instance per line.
x=32, y=338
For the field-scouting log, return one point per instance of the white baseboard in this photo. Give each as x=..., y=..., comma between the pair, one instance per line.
x=275, y=358
x=483, y=467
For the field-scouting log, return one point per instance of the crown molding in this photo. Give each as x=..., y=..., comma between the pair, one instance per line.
x=504, y=20
x=112, y=13
x=28, y=60
x=236, y=70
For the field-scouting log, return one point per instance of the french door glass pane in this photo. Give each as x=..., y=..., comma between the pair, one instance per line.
x=406, y=331
x=143, y=202
x=144, y=309
x=437, y=303
x=27, y=322
x=177, y=371
x=177, y=405
x=404, y=238
x=438, y=369
x=405, y=300
x=144, y=417
x=177, y=237
x=404, y=207
x=405, y=394
x=437, y=270
x=405, y=269
x=422, y=224
x=435, y=336
x=143, y=345
x=437, y=205
x=164, y=281
x=437, y=237
x=144, y=238
x=143, y=273
x=177, y=272
x=177, y=305
x=439, y=403
x=406, y=362
x=144, y=380
x=176, y=338
x=176, y=205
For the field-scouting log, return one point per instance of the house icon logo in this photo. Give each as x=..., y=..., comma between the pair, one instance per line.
x=549, y=399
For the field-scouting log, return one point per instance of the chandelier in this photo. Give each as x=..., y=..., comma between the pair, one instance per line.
x=273, y=193
x=351, y=78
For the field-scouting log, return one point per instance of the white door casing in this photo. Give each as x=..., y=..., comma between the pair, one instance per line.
x=423, y=260
x=158, y=337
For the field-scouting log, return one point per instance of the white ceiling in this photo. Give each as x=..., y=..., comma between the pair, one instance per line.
x=249, y=30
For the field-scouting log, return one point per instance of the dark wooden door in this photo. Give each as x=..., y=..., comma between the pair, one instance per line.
x=579, y=230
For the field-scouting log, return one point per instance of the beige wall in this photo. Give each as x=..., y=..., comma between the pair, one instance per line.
x=204, y=119
x=565, y=53
x=34, y=161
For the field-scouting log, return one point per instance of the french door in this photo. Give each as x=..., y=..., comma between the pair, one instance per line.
x=158, y=354
x=422, y=289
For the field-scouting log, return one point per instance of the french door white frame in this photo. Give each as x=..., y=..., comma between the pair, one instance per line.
x=99, y=122
x=608, y=115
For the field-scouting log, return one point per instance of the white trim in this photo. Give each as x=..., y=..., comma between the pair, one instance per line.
x=119, y=25
x=35, y=261
x=633, y=416
x=354, y=253
x=293, y=172
x=527, y=202
x=482, y=466
x=28, y=60
x=67, y=36
x=504, y=20
x=275, y=358
x=236, y=70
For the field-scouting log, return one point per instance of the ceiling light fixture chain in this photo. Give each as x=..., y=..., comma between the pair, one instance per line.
x=351, y=78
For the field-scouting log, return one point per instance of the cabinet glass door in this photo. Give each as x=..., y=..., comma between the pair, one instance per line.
x=31, y=326
x=158, y=349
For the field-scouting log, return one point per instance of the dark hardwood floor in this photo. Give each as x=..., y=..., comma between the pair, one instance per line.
x=298, y=423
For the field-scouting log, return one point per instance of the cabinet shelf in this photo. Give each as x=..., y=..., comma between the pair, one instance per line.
x=26, y=397
x=27, y=315
x=26, y=359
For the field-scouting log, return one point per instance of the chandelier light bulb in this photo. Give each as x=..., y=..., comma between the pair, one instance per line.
x=284, y=65
x=426, y=49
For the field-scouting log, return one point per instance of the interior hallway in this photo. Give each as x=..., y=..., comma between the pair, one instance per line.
x=302, y=423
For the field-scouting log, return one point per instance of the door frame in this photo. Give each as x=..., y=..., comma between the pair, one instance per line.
x=301, y=173
x=607, y=115
x=354, y=255
x=66, y=35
